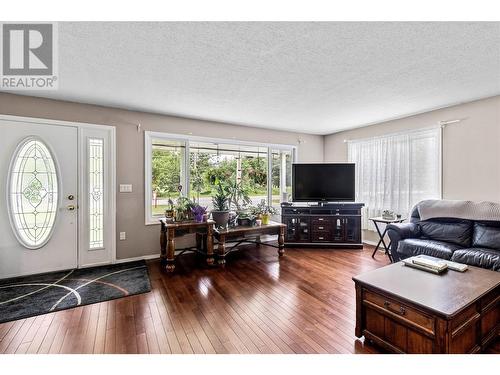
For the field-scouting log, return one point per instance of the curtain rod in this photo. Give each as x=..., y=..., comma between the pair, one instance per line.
x=440, y=124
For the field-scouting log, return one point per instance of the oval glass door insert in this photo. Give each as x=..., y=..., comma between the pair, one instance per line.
x=33, y=193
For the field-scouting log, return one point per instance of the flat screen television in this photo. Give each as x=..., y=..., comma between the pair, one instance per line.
x=323, y=182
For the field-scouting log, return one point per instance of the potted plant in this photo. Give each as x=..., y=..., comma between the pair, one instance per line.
x=199, y=212
x=240, y=201
x=264, y=212
x=238, y=196
x=183, y=209
x=170, y=212
x=246, y=218
x=220, y=201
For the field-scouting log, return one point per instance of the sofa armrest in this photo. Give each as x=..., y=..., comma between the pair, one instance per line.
x=399, y=232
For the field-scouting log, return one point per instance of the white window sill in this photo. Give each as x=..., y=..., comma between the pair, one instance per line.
x=153, y=221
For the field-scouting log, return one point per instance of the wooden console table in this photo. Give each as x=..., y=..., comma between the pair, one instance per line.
x=167, y=240
x=248, y=234
x=329, y=225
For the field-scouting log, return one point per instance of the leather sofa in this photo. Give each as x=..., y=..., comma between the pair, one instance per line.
x=476, y=243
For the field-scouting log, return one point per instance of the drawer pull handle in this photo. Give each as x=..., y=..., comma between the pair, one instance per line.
x=402, y=310
x=320, y=238
x=320, y=227
x=320, y=219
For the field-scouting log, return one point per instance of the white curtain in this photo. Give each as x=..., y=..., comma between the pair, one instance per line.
x=395, y=172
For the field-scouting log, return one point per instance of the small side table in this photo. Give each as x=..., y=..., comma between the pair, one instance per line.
x=381, y=220
x=169, y=231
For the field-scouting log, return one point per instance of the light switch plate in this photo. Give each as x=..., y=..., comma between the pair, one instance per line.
x=125, y=188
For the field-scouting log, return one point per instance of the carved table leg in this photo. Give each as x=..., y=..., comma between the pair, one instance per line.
x=221, y=249
x=163, y=245
x=257, y=240
x=199, y=241
x=170, y=265
x=281, y=242
x=210, y=244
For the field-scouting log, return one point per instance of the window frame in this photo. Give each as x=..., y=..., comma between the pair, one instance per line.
x=90, y=256
x=151, y=219
x=87, y=199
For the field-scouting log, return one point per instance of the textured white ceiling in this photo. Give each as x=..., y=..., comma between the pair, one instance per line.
x=309, y=77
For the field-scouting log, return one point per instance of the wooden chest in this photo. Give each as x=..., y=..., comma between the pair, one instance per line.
x=412, y=317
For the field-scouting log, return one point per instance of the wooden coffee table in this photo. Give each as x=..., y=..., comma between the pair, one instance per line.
x=247, y=234
x=406, y=310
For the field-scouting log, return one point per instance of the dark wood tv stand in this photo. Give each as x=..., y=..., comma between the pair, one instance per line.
x=329, y=224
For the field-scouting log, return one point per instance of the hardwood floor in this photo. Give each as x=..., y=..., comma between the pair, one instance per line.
x=303, y=303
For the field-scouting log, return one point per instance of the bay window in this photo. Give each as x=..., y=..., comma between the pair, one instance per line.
x=194, y=166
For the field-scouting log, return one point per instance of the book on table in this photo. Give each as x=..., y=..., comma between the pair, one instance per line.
x=460, y=267
x=432, y=264
x=428, y=265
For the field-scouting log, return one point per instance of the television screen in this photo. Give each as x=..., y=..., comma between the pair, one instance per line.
x=323, y=182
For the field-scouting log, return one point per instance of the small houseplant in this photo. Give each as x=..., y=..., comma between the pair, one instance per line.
x=388, y=215
x=264, y=211
x=240, y=201
x=170, y=212
x=220, y=201
x=183, y=209
x=199, y=212
x=246, y=218
x=238, y=196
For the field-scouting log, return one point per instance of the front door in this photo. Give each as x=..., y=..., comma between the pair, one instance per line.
x=38, y=198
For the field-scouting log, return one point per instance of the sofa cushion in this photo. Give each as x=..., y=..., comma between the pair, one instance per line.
x=417, y=246
x=486, y=235
x=455, y=231
x=479, y=257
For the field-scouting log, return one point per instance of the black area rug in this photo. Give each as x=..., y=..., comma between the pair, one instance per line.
x=27, y=296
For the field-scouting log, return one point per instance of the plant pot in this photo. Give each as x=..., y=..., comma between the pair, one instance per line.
x=246, y=222
x=198, y=218
x=265, y=219
x=221, y=218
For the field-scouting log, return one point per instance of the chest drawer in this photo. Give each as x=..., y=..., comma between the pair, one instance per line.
x=321, y=227
x=320, y=236
x=320, y=220
x=400, y=311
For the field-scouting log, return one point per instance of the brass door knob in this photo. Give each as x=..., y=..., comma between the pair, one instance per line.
x=71, y=207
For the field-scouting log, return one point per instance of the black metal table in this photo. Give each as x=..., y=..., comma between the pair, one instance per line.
x=381, y=220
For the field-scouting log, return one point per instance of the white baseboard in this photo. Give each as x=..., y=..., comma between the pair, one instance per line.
x=144, y=257
x=369, y=242
x=156, y=256
x=95, y=264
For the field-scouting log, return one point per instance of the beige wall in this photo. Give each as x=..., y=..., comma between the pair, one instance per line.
x=471, y=148
x=142, y=239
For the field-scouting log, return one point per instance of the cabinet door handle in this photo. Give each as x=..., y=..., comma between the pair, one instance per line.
x=401, y=311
